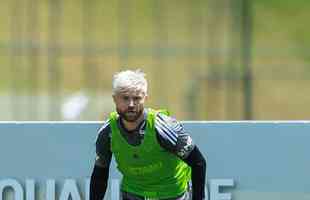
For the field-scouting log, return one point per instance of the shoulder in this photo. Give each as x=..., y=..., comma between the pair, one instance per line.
x=165, y=121
x=105, y=128
x=173, y=137
x=168, y=127
x=104, y=132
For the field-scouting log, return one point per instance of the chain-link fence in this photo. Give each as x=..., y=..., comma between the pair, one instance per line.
x=205, y=60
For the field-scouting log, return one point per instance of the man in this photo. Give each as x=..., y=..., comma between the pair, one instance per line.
x=153, y=152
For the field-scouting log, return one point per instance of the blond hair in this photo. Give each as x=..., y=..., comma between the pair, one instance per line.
x=129, y=80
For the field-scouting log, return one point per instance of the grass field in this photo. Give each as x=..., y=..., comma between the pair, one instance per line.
x=174, y=42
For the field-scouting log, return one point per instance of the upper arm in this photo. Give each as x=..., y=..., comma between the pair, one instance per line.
x=103, y=146
x=173, y=137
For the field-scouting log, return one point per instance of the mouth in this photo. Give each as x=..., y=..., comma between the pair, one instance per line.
x=131, y=112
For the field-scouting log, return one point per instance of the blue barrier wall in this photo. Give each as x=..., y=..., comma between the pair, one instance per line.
x=265, y=160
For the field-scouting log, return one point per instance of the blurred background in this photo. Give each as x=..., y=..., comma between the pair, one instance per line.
x=204, y=59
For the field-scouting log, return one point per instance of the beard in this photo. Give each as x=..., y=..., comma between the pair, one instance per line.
x=130, y=115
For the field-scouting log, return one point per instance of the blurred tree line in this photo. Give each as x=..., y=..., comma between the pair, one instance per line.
x=205, y=60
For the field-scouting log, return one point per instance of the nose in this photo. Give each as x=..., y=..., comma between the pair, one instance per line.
x=131, y=103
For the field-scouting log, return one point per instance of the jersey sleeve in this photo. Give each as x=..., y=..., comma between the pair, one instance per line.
x=103, y=146
x=172, y=136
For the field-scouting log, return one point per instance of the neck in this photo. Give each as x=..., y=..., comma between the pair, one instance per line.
x=130, y=126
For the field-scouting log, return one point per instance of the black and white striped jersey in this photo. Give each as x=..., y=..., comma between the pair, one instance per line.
x=170, y=133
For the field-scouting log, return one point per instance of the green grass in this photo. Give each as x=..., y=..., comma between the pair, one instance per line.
x=180, y=27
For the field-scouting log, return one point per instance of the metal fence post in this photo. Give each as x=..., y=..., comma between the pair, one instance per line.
x=246, y=36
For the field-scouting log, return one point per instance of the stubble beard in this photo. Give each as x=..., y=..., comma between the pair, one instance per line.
x=130, y=117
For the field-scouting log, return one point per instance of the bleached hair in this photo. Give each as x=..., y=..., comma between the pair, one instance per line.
x=129, y=80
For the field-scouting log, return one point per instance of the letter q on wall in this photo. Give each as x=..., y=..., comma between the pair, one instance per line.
x=14, y=185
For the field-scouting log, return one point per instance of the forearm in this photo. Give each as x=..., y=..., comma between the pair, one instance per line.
x=98, y=182
x=198, y=165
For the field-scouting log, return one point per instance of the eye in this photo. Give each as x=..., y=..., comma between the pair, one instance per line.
x=126, y=98
x=137, y=98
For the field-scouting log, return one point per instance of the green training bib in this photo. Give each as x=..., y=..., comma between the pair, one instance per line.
x=148, y=170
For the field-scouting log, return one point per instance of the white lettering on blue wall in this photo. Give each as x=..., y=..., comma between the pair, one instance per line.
x=216, y=184
x=70, y=189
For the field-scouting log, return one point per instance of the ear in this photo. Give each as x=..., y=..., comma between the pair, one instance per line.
x=146, y=97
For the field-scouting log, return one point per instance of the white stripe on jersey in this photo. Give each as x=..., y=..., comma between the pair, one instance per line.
x=170, y=129
x=106, y=123
x=178, y=127
x=166, y=130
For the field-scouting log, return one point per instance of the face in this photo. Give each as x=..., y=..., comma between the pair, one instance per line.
x=130, y=104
